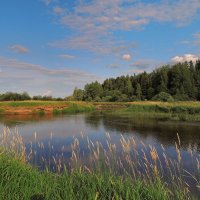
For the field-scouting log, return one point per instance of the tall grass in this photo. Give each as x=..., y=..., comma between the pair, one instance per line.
x=129, y=170
x=179, y=111
x=19, y=181
x=77, y=108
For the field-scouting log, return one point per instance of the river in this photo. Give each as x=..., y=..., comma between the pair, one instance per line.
x=57, y=133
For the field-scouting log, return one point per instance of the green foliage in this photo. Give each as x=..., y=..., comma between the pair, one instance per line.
x=78, y=94
x=41, y=112
x=107, y=99
x=97, y=99
x=77, y=108
x=21, y=181
x=138, y=91
x=32, y=103
x=2, y=110
x=175, y=111
x=93, y=90
x=181, y=81
x=57, y=111
x=10, y=96
x=163, y=96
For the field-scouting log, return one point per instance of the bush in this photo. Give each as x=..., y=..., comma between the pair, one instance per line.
x=163, y=96
x=181, y=97
x=107, y=99
x=97, y=99
x=123, y=98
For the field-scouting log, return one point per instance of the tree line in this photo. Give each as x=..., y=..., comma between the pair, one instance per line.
x=180, y=82
x=13, y=96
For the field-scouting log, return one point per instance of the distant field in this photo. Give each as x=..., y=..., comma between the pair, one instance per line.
x=43, y=107
x=176, y=111
x=181, y=111
x=37, y=103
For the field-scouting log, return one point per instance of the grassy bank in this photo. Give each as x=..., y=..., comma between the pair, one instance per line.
x=110, y=172
x=21, y=181
x=176, y=111
x=44, y=107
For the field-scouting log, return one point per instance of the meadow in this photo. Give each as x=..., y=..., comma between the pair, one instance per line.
x=174, y=111
x=132, y=170
x=43, y=107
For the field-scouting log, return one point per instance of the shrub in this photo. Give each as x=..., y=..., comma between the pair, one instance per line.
x=163, y=96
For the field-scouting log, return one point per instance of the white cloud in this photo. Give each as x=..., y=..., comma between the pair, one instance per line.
x=146, y=63
x=126, y=57
x=22, y=76
x=66, y=56
x=58, y=10
x=135, y=71
x=185, y=58
x=19, y=49
x=48, y=93
x=197, y=39
x=94, y=22
x=113, y=66
x=47, y=2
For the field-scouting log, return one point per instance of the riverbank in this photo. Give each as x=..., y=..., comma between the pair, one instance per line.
x=43, y=107
x=173, y=111
x=112, y=172
x=21, y=181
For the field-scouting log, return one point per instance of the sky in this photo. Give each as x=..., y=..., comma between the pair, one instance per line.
x=49, y=47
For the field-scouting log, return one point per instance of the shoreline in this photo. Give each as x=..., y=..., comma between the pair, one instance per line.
x=173, y=111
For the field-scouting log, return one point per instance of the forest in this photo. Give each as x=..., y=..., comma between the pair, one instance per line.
x=178, y=82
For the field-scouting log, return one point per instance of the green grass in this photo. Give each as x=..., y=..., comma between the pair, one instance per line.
x=31, y=103
x=178, y=111
x=57, y=111
x=19, y=181
x=77, y=108
x=2, y=110
x=41, y=107
x=41, y=112
x=105, y=174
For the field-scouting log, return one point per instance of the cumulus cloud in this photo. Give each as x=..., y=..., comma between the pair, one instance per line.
x=126, y=57
x=22, y=76
x=17, y=48
x=48, y=93
x=145, y=64
x=185, y=58
x=94, y=22
x=66, y=56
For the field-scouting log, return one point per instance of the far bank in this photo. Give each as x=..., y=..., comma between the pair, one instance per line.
x=178, y=111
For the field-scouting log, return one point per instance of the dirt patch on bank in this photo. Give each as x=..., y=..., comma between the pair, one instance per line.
x=31, y=110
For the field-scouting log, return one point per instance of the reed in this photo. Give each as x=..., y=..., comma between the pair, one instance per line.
x=129, y=170
x=176, y=111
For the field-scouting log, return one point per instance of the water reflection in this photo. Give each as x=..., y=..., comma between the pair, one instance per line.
x=161, y=132
x=96, y=125
x=56, y=134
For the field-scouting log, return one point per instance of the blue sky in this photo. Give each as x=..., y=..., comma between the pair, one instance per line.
x=52, y=46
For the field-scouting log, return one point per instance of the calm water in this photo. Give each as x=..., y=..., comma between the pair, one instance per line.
x=60, y=131
x=95, y=125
